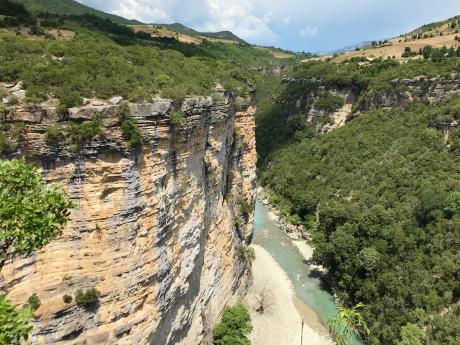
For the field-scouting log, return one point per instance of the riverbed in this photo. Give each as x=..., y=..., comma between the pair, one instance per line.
x=297, y=292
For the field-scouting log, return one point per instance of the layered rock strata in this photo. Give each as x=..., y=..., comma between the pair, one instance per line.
x=153, y=228
x=398, y=93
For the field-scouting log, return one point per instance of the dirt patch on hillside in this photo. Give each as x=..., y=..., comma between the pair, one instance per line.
x=396, y=47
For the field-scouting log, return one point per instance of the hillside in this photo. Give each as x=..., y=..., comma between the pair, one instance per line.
x=448, y=26
x=70, y=7
x=160, y=31
x=225, y=35
x=182, y=29
x=436, y=35
x=365, y=156
x=66, y=62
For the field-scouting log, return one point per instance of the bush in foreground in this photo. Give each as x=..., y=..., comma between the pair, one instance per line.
x=234, y=326
x=14, y=323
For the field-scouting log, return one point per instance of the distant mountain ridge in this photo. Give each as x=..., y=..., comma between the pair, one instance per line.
x=360, y=45
x=182, y=29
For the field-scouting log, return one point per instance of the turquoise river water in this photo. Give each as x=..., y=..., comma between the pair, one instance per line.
x=308, y=288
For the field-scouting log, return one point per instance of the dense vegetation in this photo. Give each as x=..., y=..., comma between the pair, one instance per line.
x=381, y=198
x=234, y=326
x=329, y=102
x=99, y=58
x=14, y=322
x=435, y=54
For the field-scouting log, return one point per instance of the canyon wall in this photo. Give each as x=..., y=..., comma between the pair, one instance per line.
x=302, y=96
x=153, y=228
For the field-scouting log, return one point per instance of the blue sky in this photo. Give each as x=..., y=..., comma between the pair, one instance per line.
x=300, y=25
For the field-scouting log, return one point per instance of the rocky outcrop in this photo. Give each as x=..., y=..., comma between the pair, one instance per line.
x=403, y=92
x=153, y=226
x=302, y=95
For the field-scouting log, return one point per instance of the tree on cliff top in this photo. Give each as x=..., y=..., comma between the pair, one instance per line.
x=235, y=324
x=32, y=213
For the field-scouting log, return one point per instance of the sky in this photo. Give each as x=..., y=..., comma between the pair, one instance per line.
x=300, y=25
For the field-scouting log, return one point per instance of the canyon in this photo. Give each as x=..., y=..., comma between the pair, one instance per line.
x=156, y=229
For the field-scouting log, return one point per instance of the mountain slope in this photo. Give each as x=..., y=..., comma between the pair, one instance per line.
x=226, y=35
x=450, y=25
x=436, y=35
x=182, y=29
x=70, y=7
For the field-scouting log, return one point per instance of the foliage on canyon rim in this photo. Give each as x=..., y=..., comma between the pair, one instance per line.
x=128, y=125
x=177, y=117
x=104, y=59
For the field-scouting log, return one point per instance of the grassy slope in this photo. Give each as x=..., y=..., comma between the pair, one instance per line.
x=428, y=28
x=70, y=7
x=437, y=34
x=226, y=35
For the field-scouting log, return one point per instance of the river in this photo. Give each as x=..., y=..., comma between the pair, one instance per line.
x=307, y=287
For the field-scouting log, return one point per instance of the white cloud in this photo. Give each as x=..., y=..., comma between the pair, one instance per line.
x=238, y=17
x=309, y=32
x=288, y=20
x=148, y=11
x=242, y=17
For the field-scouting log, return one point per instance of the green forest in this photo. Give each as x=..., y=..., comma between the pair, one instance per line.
x=104, y=59
x=381, y=197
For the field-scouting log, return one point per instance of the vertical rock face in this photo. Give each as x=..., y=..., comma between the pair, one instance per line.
x=153, y=229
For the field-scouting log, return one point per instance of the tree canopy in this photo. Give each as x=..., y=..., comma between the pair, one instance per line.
x=31, y=212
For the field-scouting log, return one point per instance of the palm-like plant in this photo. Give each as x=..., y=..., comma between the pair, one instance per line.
x=349, y=322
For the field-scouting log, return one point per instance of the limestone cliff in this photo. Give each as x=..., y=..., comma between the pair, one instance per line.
x=153, y=229
x=398, y=93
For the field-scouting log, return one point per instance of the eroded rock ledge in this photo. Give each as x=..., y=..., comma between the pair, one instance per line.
x=153, y=229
